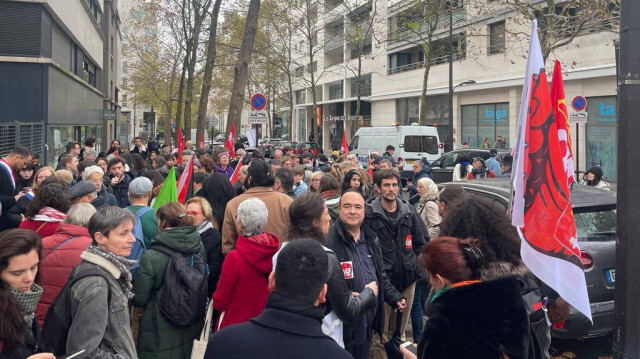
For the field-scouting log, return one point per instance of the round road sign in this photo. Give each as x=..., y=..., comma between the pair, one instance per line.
x=258, y=101
x=213, y=121
x=579, y=103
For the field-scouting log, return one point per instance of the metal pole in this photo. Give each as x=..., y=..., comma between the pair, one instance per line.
x=450, y=140
x=626, y=332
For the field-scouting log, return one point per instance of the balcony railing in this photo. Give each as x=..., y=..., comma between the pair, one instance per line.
x=434, y=61
x=423, y=26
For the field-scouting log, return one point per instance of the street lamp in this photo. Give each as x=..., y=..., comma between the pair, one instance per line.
x=451, y=89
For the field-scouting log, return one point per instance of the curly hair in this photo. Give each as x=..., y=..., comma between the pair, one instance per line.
x=481, y=219
x=306, y=208
x=51, y=195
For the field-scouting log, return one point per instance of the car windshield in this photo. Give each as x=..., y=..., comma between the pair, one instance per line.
x=595, y=223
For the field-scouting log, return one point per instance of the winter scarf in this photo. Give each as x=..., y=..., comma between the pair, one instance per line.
x=122, y=263
x=28, y=301
x=279, y=301
x=204, y=226
x=328, y=194
x=48, y=214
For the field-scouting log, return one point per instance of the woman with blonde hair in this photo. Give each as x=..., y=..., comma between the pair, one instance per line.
x=22, y=203
x=314, y=183
x=200, y=210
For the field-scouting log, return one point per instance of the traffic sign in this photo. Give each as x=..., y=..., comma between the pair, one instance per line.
x=258, y=101
x=213, y=121
x=578, y=117
x=257, y=120
x=579, y=103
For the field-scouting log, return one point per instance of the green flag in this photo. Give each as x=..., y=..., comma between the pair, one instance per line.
x=169, y=191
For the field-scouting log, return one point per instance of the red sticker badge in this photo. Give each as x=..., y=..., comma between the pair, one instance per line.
x=347, y=269
x=408, y=243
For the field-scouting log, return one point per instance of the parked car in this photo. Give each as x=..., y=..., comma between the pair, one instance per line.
x=595, y=214
x=284, y=144
x=267, y=146
x=303, y=147
x=442, y=168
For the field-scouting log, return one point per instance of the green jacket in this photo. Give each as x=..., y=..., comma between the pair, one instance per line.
x=172, y=342
x=149, y=223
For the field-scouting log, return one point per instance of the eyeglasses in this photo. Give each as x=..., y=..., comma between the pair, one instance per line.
x=193, y=213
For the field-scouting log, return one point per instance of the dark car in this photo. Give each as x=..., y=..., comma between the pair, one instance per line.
x=442, y=168
x=303, y=147
x=594, y=211
x=269, y=146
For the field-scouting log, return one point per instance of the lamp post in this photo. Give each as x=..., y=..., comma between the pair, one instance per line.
x=451, y=90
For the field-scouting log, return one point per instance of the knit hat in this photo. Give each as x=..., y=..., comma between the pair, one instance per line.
x=597, y=171
x=80, y=189
x=140, y=186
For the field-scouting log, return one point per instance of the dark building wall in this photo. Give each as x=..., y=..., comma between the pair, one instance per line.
x=21, y=92
x=25, y=30
x=71, y=102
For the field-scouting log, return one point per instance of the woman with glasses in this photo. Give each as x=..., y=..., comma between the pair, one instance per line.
x=200, y=210
x=94, y=174
x=314, y=184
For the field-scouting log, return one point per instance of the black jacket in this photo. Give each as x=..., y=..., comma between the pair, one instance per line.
x=212, y=242
x=7, y=199
x=343, y=245
x=32, y=344
x=121, y=190
x=400, y=248
x=481, y=320
x=274, y=334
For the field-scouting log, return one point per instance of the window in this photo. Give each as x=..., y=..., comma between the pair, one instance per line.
x=335, y=91
x=314, y=39
x=602, y=135
x=354, y=143
x=299, y=71
x=421, y=144
x=300, y=97
x=365, y=85
x=497, y=37
x=485, y=121
x=407, y=110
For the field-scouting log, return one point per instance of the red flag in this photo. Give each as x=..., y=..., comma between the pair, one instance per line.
x=370, y=168
x=344, y=147
x=562, y=121
x=549, y=246
x=230, y=143
x=201, y=142
x=236, y=173
x=185, y=182
x=180, y=141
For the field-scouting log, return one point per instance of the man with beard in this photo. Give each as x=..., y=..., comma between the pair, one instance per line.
x=402, y=235
x=11, y=165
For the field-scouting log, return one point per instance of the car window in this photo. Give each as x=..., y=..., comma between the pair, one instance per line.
x=595, y=223
x=495, y=200
x=430, y=145
x=412, y=144
x=450, y=160
x=354, y=143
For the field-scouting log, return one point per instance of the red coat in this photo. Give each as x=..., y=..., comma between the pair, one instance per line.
x=44, y=229
x=57, y=263
x=243, y=287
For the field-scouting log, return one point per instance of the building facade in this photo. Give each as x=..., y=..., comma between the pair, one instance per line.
x=55, y=83
x=487, y=51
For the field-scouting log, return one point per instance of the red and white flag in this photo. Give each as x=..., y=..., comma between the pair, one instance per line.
x=185, y=182
x=230, y=143
x=562, y=121
x=236, y=173
x=541, y=201
x=180, y=141
x=344, y=146
x=201, y=142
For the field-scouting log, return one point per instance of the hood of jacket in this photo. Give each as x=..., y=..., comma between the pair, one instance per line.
x=72, y=230
x=180, y=239
x=497, y=269
x=424, y=172
x=491, y=311
x=258, y=250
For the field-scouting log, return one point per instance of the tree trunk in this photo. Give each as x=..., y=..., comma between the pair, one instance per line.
x=181, y=92
x=425, y=79
x=208, y=71
x=241, y=69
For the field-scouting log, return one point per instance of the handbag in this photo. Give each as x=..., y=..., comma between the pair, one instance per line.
x=392, y=347
x=200, y=345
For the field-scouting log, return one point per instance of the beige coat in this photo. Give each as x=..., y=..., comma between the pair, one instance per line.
x=277, y=224
x=428, y=210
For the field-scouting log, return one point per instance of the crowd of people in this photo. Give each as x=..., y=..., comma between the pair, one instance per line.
x=305, y=256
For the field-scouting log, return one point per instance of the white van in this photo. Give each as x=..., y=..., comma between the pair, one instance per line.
x=411, y=143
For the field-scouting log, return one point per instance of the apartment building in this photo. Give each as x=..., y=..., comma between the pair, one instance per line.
x=489, y=53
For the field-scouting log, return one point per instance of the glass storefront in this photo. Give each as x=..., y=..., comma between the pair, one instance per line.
x=602, y=135
x=59, y=135
x=485, y=121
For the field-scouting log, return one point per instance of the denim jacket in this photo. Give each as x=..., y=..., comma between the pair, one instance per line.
x=100, y=315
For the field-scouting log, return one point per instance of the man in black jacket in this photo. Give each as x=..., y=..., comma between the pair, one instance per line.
x=290, y=326
x=11, y=165
x=358, y=251
x=119, y=181
x=400, y=230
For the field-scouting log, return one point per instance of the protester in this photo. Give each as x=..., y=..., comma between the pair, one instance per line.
x=83, y=192
x=61, y=253
x=217, y=190
x=10, y=164
x=223, y=164
x=157, y=180
x=479, y=170
x=200, y=210
x=159, y=338
x=289, y=327
x=95, y=175
x=287, y=162
x=299, y=186
x=462, y=169
x=19, y=294
x=100, y=319
x=73, y=149
x=242, y=290
x=242, y=176
x=398, y=227
x=139, y=197
x=427, y=207
x=330, y=193
x=35, y=160
x=353, y=180
x=505, y=166
x=495, y=326
x=358, y=250
x=152, y=156
x=198, y=181
x=119, y=181
x=69, y=162
x=139, y=148
x=283, y=182
x=314, y=183
x=421, y=170
x=25, y=178
x=66, y=177
x=594, y=178
x=493, y=162
x=259, y=184
x=46, y=211
x=450, y=196
x=21, y=205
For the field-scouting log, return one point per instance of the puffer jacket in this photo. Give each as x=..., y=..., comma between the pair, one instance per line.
x=60, y=254
x=101, y=323
x=163, y=340
x=121, y=190
x=400, y=247
x=243, y=287
x=343, y=245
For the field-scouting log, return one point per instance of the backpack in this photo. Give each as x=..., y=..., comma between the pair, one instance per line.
x=138, y=247
x=58, y=320
x=184, y=296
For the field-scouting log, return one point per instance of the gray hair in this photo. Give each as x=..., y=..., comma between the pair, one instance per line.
x=79, y=214
x=352, y=157
x=241, y=152
x=277, y=152
x=244, y=170
x=91, y=170
x=108, y=219
x=91, y=152
x=253, y=214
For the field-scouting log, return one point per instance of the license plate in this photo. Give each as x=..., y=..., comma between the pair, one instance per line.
x=610, y=274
